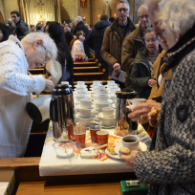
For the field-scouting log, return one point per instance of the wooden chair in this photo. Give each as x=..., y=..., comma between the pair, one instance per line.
x=87, y=69
x=37, y=139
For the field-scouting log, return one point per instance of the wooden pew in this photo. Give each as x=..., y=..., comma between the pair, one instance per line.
x=87, y=69
x=88, y=83
x=36, y=71
x=85, y=64
x=89, y=76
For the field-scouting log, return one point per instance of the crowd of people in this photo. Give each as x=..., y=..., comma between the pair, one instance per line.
x=158, y=57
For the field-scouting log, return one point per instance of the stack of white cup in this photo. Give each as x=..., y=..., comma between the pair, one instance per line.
x=85, y=116
x=108, y=117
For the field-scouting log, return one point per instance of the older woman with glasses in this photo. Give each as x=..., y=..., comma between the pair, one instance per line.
x=16, y=87
x=141, y=77
x=169, y=166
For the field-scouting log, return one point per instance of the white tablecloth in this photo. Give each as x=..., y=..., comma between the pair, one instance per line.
x=51, y=165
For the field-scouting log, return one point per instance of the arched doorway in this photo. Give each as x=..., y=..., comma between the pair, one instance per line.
x=1, y=18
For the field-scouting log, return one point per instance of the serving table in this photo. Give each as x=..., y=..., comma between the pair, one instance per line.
x=77, y=181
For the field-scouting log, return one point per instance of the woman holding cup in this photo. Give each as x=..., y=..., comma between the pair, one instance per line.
x=169, y=166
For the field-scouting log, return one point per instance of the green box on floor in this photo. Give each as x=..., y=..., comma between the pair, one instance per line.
x=140, y=189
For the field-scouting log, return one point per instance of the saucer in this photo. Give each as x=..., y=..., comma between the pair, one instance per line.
x=101, y=116
x=107, y=102
x=106, y=127
x=142, y=147
x=91, y=117
x=112, y=156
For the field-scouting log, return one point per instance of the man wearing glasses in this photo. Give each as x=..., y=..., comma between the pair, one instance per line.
x=134, y=42
x=114, y=36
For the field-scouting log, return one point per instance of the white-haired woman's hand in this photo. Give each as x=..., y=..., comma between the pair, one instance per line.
x=49, y=85
x=140, y=111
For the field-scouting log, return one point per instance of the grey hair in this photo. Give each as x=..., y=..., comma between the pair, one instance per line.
x=48, y=43
x=142, y=6
x=67, y=29
x=149, y=30
x=175, y=16
x=124, y=2
x=78, y=19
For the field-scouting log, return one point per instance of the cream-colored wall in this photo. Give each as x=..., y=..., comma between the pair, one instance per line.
x=96, y=9
x=10, y=5
x=68, y=9
x=2, y=9
x=85, y=11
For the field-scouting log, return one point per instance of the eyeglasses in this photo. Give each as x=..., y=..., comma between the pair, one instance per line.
x=144, y=16
x=151, y=40
x=122, y=9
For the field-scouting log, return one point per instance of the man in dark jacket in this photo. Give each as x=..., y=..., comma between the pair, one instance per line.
x=80, y=26
x=141, y=77
x=95, y=38
x=21, y=29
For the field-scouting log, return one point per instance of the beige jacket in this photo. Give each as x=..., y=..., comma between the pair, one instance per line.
x=112, y=43
x=131, y=45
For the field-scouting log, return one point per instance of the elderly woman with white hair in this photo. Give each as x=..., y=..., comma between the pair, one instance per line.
x=16, y=87
x=169, y=166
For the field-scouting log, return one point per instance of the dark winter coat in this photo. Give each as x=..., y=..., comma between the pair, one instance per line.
x=169, y=167
x=141, y=73
x=21, y=29
x=95, y=38
x=69, y=37
x=81, y=26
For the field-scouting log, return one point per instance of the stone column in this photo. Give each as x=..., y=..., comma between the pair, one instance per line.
x=76, y=8
x=59, y=11
x=137, y=4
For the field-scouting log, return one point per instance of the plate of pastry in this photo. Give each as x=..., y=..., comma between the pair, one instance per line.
x=111, y=152
x=120, y=150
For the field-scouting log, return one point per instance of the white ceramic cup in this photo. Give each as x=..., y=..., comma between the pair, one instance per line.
x=108, y=112
x=136, y=101
x=86, y=121
x=80, y=97
x=102, y=98
x=97, y=82
x=85, y=113
x=80, y=83
x=100, y=106
x=110, y=82
x=85, y=103
x=108, y=121
x=134, y=145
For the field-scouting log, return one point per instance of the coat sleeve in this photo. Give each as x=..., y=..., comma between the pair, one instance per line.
x=89, y=40
x=12, y=79
x=105, y=49
x=135, y=78
x=24, y=29
x=176, y=163
x=154, y=91
x=128, y=54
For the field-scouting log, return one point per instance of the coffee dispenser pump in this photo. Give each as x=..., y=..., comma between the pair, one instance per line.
x=62, y=113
